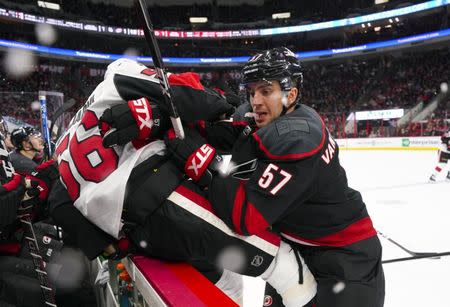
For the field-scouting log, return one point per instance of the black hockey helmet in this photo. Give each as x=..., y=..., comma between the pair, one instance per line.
x=279, y=64
x=22, y=134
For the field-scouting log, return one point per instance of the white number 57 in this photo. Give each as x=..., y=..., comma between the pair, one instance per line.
x=267, y=177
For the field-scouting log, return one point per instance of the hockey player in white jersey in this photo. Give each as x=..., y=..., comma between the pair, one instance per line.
x=443, y=158
x=111, y=187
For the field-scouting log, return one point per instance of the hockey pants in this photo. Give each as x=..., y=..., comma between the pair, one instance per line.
x=349, y=276
x=185, y=228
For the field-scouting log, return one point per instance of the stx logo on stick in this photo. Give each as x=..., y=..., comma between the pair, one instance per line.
x=199, y=161
x=141, y=107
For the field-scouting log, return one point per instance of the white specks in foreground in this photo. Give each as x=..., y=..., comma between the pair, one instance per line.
x=143, y=244
x=231, y=258
x=72, y=269
x=131, y=52
x=35, y=106
x=338, y=287
x=45, y=34
x=19, y=63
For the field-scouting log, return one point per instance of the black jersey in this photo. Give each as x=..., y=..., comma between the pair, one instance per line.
x=298, y=187
x=22, y=164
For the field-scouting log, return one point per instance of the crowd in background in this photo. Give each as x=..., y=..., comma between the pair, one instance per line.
x=219, y=12
x=335, y=90
x=298, y=42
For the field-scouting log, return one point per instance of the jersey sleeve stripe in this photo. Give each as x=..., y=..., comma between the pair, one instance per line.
x=359, y=230
x=238, y=205
x=209, y=217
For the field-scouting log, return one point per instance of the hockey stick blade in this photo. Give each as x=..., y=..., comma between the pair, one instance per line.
x=159, y=67
x=433, y=256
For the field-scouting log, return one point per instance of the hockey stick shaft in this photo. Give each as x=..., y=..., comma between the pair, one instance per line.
x=412, y=253
x=39, y=265
x=416, y=257
x=44, y=123
x=159, y=67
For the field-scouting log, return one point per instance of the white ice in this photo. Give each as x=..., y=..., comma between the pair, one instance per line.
x=408, y=209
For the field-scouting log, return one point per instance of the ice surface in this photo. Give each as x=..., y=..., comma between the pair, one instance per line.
x=408, y=209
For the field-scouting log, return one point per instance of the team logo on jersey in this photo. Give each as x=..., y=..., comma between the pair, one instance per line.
x=267, y=300
x=257, y=260
x=148, y=72
x=46, y=240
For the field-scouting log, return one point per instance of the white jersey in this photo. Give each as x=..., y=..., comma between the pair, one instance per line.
x=95, y=176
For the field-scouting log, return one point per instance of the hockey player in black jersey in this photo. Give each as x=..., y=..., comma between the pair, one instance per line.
x=287, y=178
x=29, y=146
x=110, y=186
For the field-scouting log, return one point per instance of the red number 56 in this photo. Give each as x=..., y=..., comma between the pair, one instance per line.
x=93, y=161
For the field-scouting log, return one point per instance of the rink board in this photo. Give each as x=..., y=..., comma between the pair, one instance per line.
x=393, y=143
x=173, y=284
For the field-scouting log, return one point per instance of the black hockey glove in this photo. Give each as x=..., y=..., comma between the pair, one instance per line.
x=138, y=121
x=38, y=185
x=46, y=235
x=194, y=156
x=42, y=179
x=11, y=194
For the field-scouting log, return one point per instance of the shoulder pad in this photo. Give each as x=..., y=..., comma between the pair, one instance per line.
x=123, y=65
x=131, y=68
x=297, y=135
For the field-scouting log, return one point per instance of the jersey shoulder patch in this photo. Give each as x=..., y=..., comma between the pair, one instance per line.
x=297, y=135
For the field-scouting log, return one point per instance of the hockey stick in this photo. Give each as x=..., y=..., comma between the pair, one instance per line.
x=48, y=293
x=159, y=67
x=432, y=255
x=44, y=123
x=39, y=264
x=60, y=111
